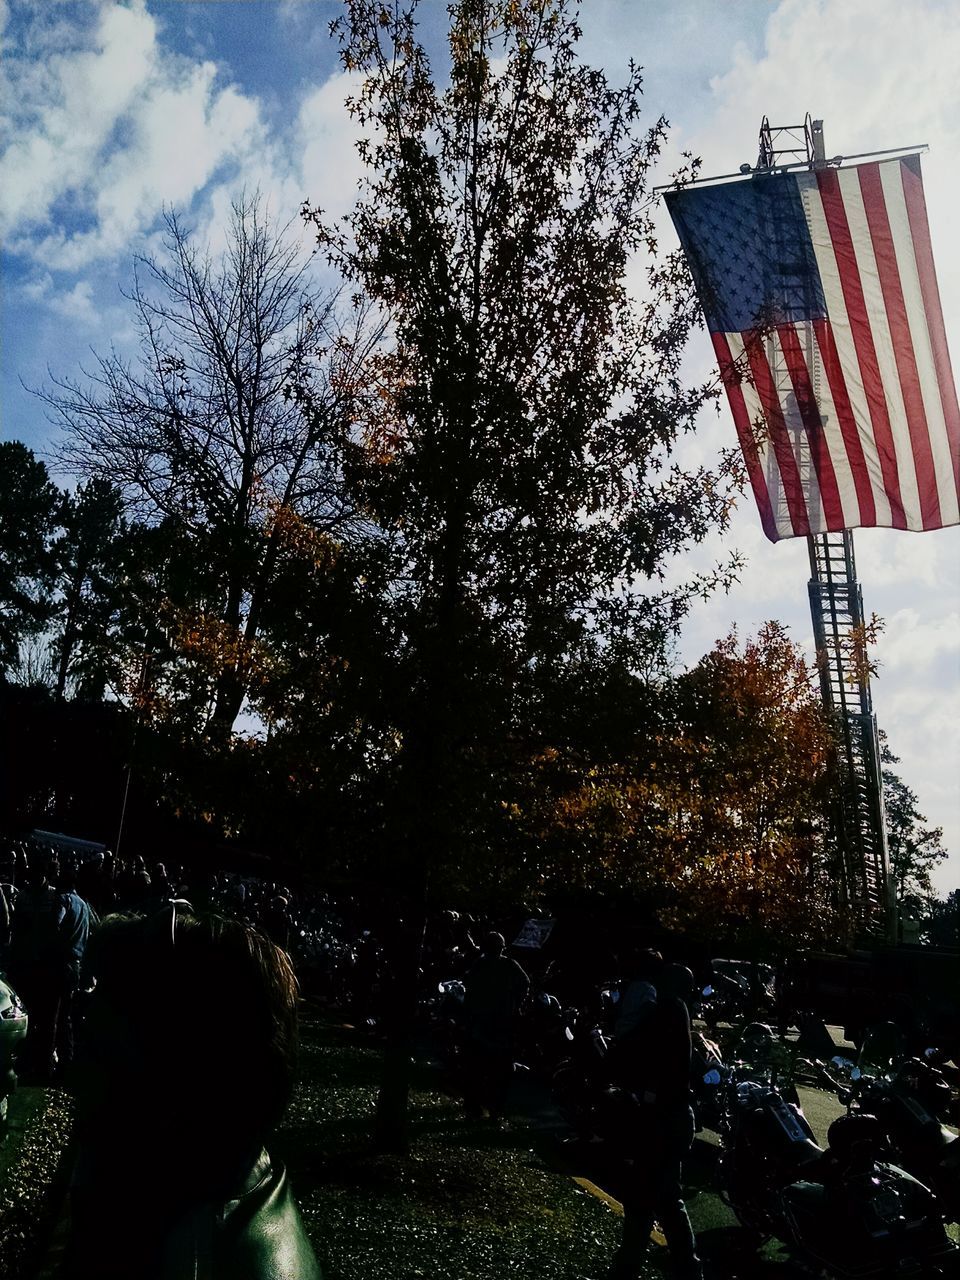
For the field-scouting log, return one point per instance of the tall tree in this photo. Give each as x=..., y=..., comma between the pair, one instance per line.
x=30, y=508
x=517, y=431
x=88, y=555
x=915, y=849
x=203, y=433
x=943, y=924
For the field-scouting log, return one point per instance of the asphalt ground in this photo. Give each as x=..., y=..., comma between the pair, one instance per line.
x=729, y=1251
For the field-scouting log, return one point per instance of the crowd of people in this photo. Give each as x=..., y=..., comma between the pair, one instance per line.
x=50, y=900
x=184, y=1062
x=105, y=940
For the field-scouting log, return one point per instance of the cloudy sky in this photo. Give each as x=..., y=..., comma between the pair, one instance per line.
x=112, y=110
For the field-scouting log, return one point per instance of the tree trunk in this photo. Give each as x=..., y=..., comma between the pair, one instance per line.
x=70, y=633
x=228, y=701
x=421, y=839
x=392, y=1117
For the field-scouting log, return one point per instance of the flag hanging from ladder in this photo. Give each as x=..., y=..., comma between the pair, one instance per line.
x=820, y=295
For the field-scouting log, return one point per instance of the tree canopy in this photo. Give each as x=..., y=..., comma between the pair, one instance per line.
x=30, y=505
x=708, y=803
x=517, y=426
x=204, y=437
x=915, y=849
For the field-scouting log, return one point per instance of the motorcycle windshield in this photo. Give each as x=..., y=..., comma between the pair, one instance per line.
x=760, y=1056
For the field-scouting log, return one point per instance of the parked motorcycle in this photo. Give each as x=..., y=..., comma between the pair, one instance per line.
x=579, y=1082
x=908, y=1095
x=707, y=1077
x=738, y=991
x=13, y=1029
x=843, y=1208
x=546, y=1032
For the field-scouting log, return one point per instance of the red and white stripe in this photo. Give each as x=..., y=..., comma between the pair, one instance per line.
x=879, y=442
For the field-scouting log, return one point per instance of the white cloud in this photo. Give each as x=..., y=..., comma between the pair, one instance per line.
x=330, y=167
x=917, y=644
x=74, y=107
x=880, y=73
x=37, y=287
x=76, y=304
x=874, y=65
x=891, y=558
x=158, y=168
x=118, y=129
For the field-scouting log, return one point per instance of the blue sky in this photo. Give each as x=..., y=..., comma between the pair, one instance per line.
x=113, y=109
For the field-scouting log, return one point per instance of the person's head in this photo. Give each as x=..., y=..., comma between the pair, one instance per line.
x=493, y=944
x=675, y=980
x=643, y=965
x=39, y=872
x=192, y=1035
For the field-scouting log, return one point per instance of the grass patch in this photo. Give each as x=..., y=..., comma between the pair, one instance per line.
x=32, y=1172
x=472, y=1200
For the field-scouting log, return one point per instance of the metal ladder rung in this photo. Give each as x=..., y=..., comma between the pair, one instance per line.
x=836, y=609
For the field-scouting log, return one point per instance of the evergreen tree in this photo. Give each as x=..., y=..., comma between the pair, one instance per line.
x=915, y=848
x=30, y=512
x=88, y=556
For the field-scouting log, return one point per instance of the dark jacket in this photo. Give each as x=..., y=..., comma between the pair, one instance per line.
x=495, y=988
x=258, y=1235
x=253, y=1232
x=38, y=945
x=652, y=1061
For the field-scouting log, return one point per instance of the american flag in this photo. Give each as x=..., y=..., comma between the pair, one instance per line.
x=821, y=298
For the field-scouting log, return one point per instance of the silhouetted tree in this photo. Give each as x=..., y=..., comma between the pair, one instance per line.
x=517, y=425
x=88, y=555
x=943, y=921
x=30, y=508
x=203, y=433
x=915, y=849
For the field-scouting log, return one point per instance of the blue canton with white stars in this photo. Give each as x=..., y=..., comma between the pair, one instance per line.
x=749, y=250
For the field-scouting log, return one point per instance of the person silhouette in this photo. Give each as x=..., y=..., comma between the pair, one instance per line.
x=655, y=1068
x=184, y=1066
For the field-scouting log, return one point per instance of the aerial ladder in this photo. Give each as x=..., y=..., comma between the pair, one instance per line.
x=864, y=885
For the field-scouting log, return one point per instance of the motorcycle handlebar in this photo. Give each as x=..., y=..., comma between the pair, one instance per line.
x=819, y=1069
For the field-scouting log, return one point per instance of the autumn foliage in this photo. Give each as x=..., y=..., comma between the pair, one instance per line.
x=715, y=813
